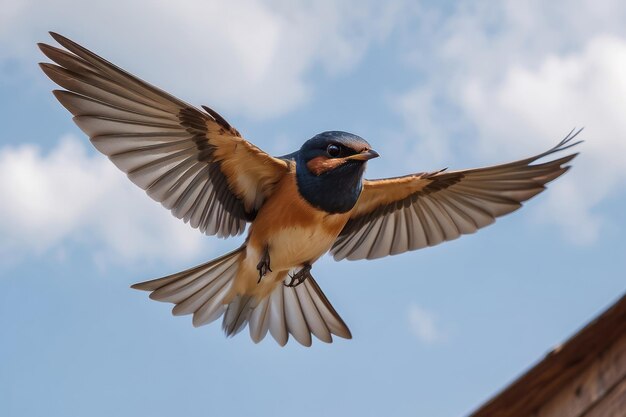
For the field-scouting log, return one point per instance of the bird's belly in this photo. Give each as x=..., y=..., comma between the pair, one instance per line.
x=294, y=246
x=289, y=246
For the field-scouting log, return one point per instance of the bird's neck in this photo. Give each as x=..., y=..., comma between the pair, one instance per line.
x=335, y=191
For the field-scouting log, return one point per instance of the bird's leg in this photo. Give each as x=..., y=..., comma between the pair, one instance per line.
x=300, y=276
x=264, y=264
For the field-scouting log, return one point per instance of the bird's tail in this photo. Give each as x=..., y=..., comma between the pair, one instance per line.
x=205, y=292
x=202, y=291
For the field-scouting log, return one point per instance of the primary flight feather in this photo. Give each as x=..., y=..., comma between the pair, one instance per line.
x=298, y=206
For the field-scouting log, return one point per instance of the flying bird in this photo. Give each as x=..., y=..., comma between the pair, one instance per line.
x=297, y=207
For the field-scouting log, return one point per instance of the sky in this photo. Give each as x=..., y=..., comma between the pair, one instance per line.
x=429, y=84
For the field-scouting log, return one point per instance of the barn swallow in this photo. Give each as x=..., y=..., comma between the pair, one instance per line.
x=298, y=206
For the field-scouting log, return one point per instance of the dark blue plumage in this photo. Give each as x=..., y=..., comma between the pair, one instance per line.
x=335, y=190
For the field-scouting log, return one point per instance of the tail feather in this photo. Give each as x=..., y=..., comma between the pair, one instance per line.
x=193, y=303
x=201, y=290
x=190, y=287
x=259, y=321
x=278, y=325
x=314, y=319
x=238, y=313
x=212, y=309
x=299, y=311
x=329, y=315
x=294, y=316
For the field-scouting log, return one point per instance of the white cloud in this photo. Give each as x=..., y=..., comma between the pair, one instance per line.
x=529, y=106
x=250, y=57
x=423, y=325
x=508, y=80
x=67, y=196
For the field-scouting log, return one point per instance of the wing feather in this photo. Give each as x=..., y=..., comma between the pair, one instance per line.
x=192, y=161
x=395, y=215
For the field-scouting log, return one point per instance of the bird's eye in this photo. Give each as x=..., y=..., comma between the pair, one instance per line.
x=333, y=150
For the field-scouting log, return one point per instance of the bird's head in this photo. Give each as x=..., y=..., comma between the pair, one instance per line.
x=330, y=151
x=329, y=170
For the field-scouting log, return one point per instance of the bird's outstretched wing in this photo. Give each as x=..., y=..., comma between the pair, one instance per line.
x=191, y=161
x=396, y=215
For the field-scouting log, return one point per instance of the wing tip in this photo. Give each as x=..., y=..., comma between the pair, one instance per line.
x=54, y=72
x=139, y=286
x=346, y=334
x=59, y=38
x=46, y=66
x=43, y=47
x=60, y=93
x=566, y=142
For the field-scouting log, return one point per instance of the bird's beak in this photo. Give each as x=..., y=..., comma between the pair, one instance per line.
x=364, y=156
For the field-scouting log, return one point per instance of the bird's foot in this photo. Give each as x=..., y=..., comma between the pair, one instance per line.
x=299, y=277
x=264, y=264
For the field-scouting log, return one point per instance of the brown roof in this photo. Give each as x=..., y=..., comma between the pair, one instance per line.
x=558, y=368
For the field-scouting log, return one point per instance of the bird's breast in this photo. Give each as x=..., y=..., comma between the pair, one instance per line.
x=294, y=230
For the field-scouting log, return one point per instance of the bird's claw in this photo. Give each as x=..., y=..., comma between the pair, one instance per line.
x=299, y=277
x=264, y=265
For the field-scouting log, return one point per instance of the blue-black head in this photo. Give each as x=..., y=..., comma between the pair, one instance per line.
x=329, y=170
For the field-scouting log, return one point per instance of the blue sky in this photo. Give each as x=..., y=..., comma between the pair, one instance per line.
x=429, y=85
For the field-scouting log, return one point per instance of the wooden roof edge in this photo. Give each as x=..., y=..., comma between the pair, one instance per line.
x=539, y=383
